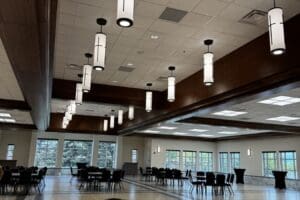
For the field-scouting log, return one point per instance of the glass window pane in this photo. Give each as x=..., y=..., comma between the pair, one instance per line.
x=173, y=159
x=45, y=153
x=205, y=161
x=189, y=160
x=76, y=151
x=106, y=154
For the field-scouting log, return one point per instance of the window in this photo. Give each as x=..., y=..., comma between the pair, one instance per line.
x=10, y=152
x=234, y=160
x=106, y=154
x=269, y=163
x=76, y=151
x=134, y=155
x=173, y=159
x=223, y=158
x=205, y=161
x=45, y=153
x=288, y=163
x=189, y=160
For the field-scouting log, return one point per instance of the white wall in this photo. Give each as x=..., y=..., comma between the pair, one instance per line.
x=158, y=159
x=253, y=164
x=21, y=139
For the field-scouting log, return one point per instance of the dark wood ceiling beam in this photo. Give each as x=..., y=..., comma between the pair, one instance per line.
x=65, y=89
x=14, y=104
x=27, y=30
x=241, y=124
x=14, y=126
x=80, y=124
x=241, y=73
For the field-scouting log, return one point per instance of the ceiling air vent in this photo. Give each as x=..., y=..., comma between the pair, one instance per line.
x=126, y=69
x=172, y=14
x=162, y=78
x=255, y=17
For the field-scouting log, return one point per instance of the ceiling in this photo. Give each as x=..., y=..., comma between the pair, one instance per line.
x=193, y=130
x=9, y=85
x=179, y=44
x=87, y=108
x=260, y=112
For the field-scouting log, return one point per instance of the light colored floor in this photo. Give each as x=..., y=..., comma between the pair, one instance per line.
x=59, y=188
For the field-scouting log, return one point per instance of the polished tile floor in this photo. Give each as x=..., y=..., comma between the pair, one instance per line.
x=59, y=188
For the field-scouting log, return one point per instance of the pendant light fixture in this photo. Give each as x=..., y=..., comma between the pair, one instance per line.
x=131, y=112
x=148, y=105
x=68, y=116
x=65, y=122
x=105, y=124
x=125, y=13
x=78, y=96
x=87, y=74
x=208, y=68
x=73, y=107
x=171, y=85
x=112, y=119
x=100, y=46
x=276, y=30
x=120, y=117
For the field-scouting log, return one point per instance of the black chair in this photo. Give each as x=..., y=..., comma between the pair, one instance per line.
x=36, y=181
x=229, y=182
x=25, y=181
x=195, y=183
x=209, y=181
x=73, y=174
x=144, y=175
x=5, y=181
x=116, y=179
x=220, y=183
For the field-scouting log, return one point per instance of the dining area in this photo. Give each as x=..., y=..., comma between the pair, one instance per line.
x=201, y=182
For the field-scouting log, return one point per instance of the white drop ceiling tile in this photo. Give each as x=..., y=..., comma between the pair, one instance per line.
x=135, y=33
x=256, y=4
x=148, y=44
x=184, y=31
x=159, y=2
x=210, y=7
x=97, y=3
x=195, y=19
x=66, y=19
x=164, y=27
x=67, y=7
x=234, y=12
x=110, y=5
x=142, y=22
x=186, y=5
x=146, y=9
x=88, y=10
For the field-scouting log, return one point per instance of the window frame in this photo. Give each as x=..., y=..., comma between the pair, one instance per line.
x=232, y=160
x=10, y=152
x=47, y=150
x=113, y=160
x=134, y=160
x=193, y=162
x=266, y=170
x=283, y=164
x=210, y=162
x=225, y=159
x=170, y=163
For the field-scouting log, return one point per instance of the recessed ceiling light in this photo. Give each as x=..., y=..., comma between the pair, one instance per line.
x=205, y=135
x=10, y=120
x=228, y=132
x=283, y=118
x=167, y=127
x=281, y=101
x=198, y=130
x=114, y=81
x=5, y=115
x=229, y=113
x=179, y=133
x=129, y=64
x=150, y=131
x=154, y=37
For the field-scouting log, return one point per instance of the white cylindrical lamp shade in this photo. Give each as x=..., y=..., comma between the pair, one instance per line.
x=112, y=121
x=131, y=112
x=78, y=96
x=148, y=101
x=171, y=88
x=105, y=125
x=120, y=117
x=208, y=69
x=125, y=13
x=72, y=107
x=87, y=78
x=99, y=51
x=276, y=31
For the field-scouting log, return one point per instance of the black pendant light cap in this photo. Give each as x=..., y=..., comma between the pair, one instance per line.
x=80, y=75
x=88, y=55
x=208, y=42
x=112, y=111
x=171, y=68
x=149, y=84
x=101, y=21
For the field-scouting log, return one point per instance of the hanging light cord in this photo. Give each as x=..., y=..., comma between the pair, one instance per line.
x=274, y=3
x=208, y=48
